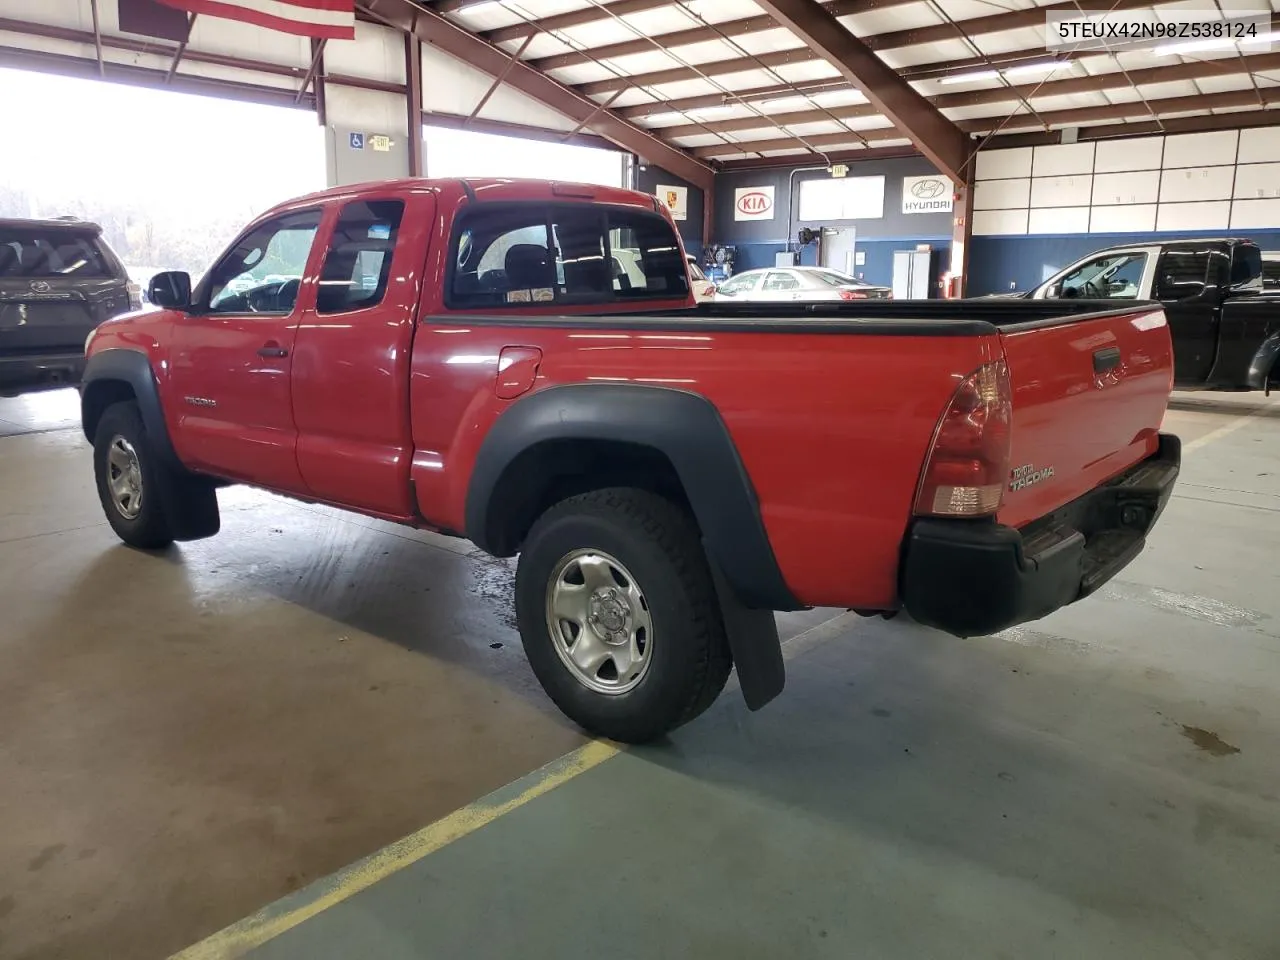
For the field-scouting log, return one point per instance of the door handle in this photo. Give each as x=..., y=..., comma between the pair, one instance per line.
x=272, y=349
x=1106, y=359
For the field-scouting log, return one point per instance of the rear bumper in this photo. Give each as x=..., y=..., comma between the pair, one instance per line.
x=45, y=371
x=971, y=577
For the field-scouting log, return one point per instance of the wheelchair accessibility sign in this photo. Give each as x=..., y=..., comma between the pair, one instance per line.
x=357, y=141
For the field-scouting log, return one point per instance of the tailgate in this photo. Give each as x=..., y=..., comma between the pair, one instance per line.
x=1089, y=394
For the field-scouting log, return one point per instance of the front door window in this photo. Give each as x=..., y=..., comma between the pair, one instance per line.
x=263, y=272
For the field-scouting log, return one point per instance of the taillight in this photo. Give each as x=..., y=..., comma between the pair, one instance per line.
x=852, y=295
x=135, y=296
x=965, y=471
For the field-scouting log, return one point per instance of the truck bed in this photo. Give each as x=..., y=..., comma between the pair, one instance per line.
x=882, y=317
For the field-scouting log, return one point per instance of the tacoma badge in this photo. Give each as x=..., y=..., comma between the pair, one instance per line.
x=1026, y=476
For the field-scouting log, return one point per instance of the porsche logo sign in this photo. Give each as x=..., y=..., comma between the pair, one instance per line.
x=753, y=203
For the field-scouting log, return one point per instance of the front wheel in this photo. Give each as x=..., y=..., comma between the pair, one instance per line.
x=128, y=478
x=618, y=614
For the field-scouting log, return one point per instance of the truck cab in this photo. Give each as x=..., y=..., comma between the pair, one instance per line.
x=1224, y=334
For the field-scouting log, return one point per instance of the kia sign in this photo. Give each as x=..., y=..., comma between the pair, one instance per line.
x=927, y=195
x=753, y=203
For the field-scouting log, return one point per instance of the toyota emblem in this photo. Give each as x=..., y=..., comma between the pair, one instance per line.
x=927, y=189
x=39, y=286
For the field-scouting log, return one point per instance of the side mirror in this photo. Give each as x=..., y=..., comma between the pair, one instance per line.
x=170, y=290
x=1054, y=291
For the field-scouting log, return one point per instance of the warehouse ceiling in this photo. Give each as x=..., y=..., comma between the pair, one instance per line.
x=734, y=81
x=697, y=86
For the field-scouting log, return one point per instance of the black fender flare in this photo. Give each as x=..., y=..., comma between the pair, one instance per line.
x=1264, y=362
x=688, y=430
x=130, y=367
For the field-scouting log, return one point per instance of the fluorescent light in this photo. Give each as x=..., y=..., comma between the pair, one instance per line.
x=702, y=113
x=967, y=77
x=1226, y=43
x=1048, y=66
x=663, y=117
x=480, y=5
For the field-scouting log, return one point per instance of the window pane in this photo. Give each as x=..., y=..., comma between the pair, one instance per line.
x=647, y=261
x=32, y=253
x=358, y=264
x=1182, y=274
x=263, y=272
x=502, y=257
x=580, y=266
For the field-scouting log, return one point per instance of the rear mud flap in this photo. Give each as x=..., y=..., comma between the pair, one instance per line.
x=754, y=643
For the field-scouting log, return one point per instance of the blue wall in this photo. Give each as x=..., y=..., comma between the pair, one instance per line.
x=758, y=241
x=998, y=264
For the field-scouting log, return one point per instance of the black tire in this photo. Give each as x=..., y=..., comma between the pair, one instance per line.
x=149, y=529
x=658, y=543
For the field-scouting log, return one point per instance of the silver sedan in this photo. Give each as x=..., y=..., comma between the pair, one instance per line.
x=791, y=284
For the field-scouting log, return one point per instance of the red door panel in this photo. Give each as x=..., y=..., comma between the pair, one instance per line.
x=351, y=363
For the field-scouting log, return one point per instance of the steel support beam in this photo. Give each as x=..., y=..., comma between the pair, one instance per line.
x=821, y=141
x=182, y=48
x=839, y=156
x=413, y=98
x=97, y=38
x=937, y=137
x=434, y=29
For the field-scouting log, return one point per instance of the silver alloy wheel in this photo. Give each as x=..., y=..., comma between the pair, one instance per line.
x=124, y=477
x=599, y=622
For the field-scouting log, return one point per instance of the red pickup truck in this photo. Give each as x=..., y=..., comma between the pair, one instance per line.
x=522, y=364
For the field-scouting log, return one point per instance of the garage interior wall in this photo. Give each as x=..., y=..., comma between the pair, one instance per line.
x=758, y=241
x=1036, y=209
x=650, y=177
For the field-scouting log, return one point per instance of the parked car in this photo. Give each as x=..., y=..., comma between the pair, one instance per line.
x=1226, y=334
x=704, y=289
x=668, y=474
x=804, y=284
x=58, y=281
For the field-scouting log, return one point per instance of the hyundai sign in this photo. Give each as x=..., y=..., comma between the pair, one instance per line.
x=930, y=194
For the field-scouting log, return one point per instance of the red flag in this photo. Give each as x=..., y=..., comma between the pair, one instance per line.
x=329, y=19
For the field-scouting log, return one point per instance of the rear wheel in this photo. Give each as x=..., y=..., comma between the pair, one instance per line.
x=618, y=614
x=129, y=478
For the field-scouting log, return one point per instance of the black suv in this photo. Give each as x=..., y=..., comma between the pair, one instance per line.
x=58, y=281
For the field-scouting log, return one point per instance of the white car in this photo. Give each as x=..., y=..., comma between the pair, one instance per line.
x=792, y=284
x=704, y=290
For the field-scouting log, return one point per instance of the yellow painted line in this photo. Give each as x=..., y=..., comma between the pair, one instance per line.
x=239, y=938
x=1222, y=431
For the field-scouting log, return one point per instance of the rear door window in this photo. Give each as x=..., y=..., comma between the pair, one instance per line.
x=357, y=264
x=35, y=253
x=513, y=254
x=1182, y=274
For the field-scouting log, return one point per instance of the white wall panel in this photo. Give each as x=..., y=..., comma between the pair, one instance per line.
x=1260, y=144
x=1136, y=218
x=452, y=86
x=1114, y=156
x=1257, y=180
x=1002, y=194
x=1200, y=149
x=1142, y=186
x=1061, y=191
x=1062, y=160
x=993, y=223
x=1213, y=215
x=1196, y=183
x=370, y=110
x=1059, y=220
x=376, y=53
x=1255, y=215
x=1002, y=164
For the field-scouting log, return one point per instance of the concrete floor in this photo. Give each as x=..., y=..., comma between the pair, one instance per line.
x=188, y=738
